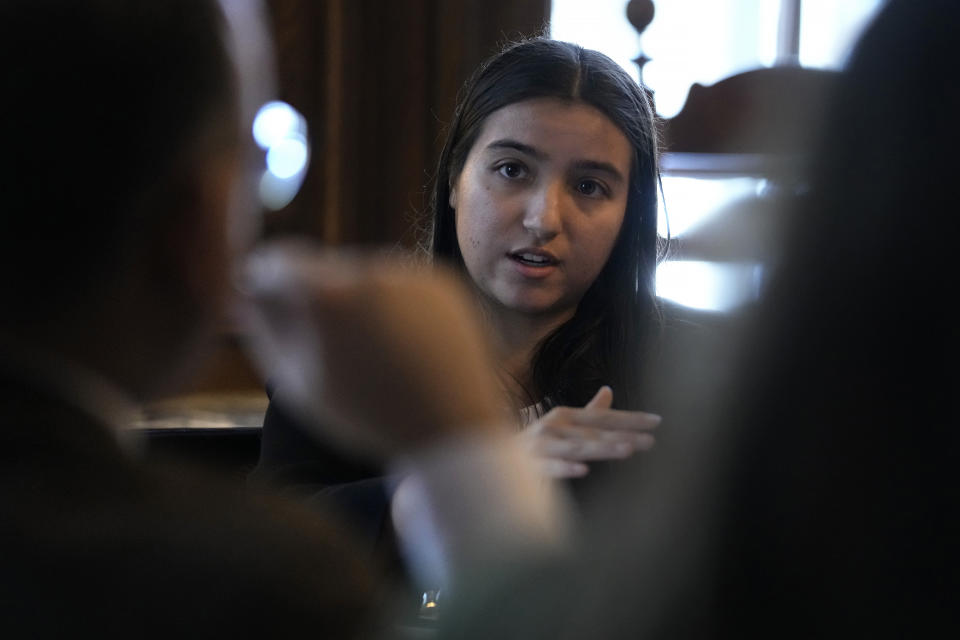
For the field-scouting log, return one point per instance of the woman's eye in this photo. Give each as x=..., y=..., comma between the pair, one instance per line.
x=590, y=188
x=511, y=170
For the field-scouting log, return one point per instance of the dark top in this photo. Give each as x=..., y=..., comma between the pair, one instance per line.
x=313, y=470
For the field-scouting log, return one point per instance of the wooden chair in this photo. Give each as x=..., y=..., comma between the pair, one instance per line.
x=758, y=123
x=767, y=111
x=761, y=124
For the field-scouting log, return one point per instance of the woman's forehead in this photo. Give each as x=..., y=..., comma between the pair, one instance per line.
x=555, y=127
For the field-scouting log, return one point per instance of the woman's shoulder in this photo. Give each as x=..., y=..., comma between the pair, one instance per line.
x=689, y=329
x=689, y=353
x=675, y=317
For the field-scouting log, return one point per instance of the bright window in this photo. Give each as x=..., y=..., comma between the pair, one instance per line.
x=705, y=41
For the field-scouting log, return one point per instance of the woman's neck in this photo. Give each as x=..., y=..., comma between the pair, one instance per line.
x=517, y=336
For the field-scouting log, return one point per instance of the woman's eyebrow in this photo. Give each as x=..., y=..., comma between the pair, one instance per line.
x=508, y=143
x=601, y=167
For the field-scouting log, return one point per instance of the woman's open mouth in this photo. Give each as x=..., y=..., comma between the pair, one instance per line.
x=533, y=262
x=533, y=258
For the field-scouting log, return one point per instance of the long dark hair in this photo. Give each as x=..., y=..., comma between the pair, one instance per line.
x=602, y=342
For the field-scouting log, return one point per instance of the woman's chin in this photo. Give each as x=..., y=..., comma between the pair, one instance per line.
x=536, y=307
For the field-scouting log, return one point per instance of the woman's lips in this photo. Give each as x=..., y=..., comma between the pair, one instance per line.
x=534, y=263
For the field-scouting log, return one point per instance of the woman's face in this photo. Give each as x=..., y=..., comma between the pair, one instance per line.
x=539, y=203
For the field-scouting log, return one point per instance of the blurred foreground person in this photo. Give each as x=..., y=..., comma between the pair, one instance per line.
x=821, y=499
x=119, y=246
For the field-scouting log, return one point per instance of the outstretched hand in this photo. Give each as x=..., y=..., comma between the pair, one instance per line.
x=565, y=439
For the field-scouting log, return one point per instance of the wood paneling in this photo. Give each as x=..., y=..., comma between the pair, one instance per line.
x=377, y=81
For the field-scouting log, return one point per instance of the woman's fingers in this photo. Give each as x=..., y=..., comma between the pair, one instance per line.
x=602, y=419
x=598, y=413
x=603, y=399
x=556, y=468
x=567, y=437
x=615, y=419
x=583, y=444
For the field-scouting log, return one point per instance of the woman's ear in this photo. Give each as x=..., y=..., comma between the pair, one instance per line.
x=452, y=200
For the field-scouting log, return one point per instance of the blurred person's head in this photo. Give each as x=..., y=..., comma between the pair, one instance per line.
x=825, y=504
x=547, y=228
x=848, y=465
x=122, y=138
x=818, y=496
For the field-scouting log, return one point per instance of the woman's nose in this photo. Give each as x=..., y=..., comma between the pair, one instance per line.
x=542, y=217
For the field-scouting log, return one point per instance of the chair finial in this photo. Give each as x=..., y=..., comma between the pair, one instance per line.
x=640, y=15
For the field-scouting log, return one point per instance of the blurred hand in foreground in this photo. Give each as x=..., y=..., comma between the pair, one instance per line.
x=382, y=356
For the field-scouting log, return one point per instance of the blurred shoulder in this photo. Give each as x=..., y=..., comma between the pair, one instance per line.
x=679, y=323
x=690, y=354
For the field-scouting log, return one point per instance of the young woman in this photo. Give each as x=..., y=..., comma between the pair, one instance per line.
x=545, y=198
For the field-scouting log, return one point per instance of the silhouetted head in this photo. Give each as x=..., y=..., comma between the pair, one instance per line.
x=121, y=127
x=105, y=102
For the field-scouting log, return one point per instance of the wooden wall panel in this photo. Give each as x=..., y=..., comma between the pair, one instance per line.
x=377, y=81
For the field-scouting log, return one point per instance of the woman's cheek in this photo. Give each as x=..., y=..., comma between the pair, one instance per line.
x=477, y=227
x=599, y=251
x=471, y=241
